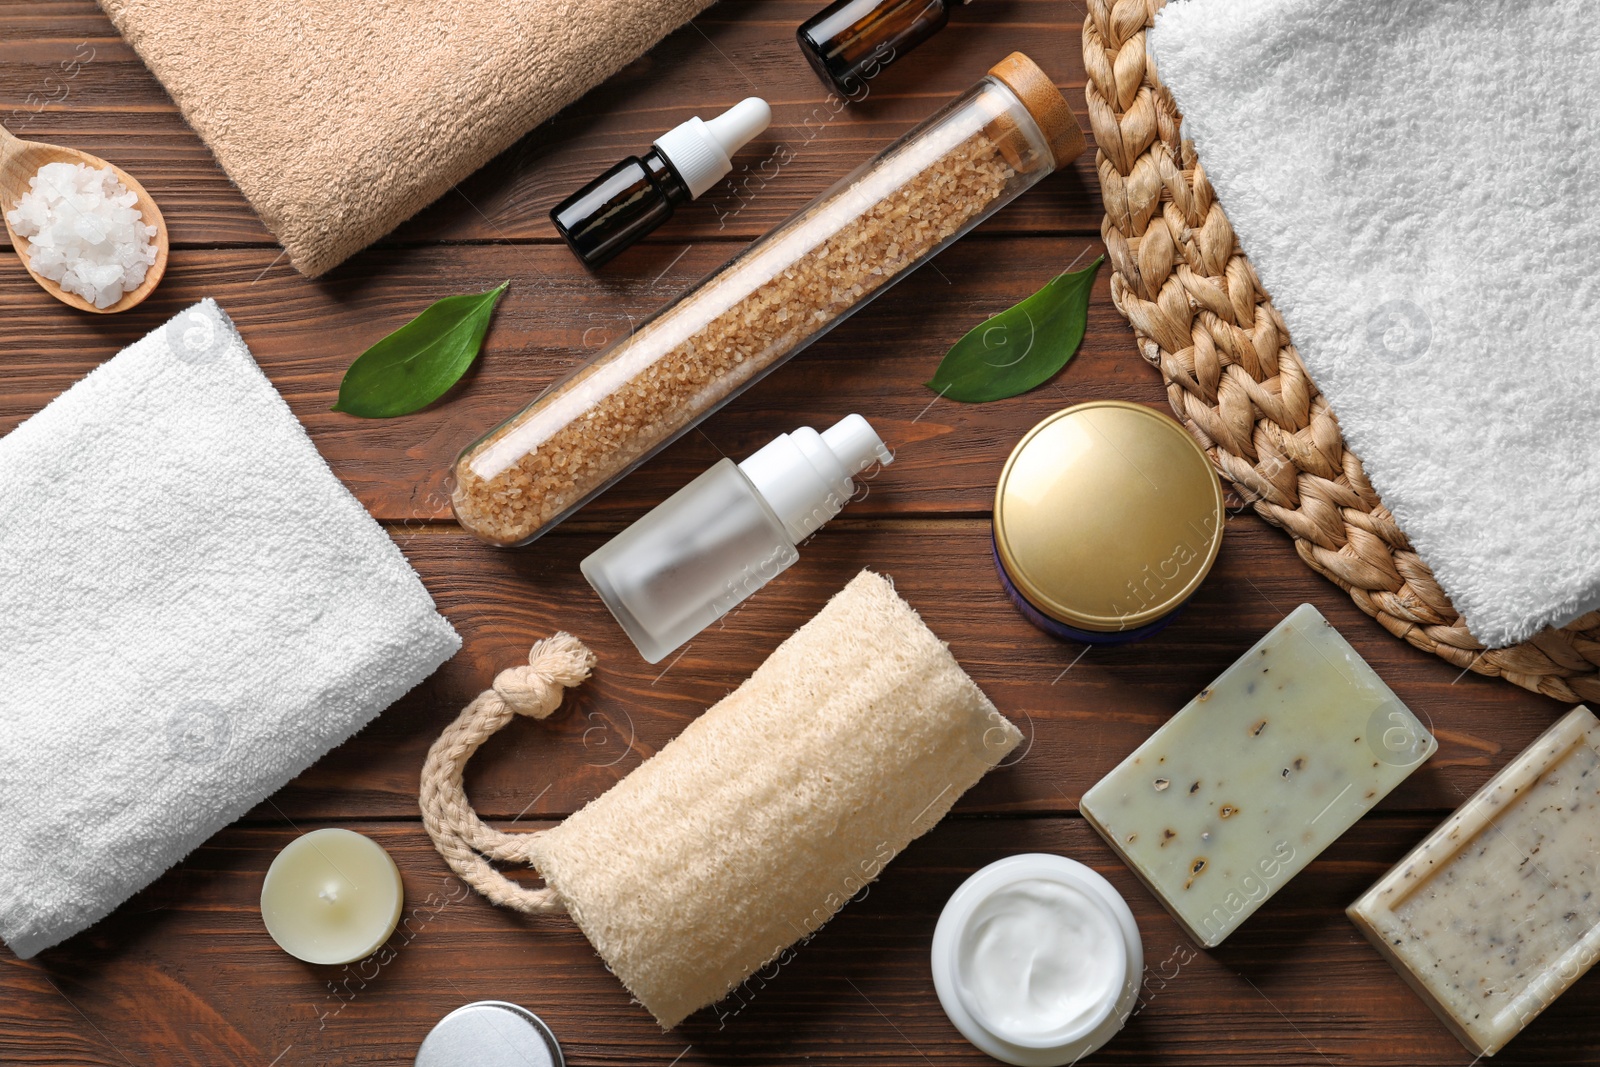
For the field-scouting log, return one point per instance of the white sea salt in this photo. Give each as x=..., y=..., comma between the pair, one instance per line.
x=84, y=231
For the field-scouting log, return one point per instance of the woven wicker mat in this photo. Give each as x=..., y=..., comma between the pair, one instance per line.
x=1200, y=315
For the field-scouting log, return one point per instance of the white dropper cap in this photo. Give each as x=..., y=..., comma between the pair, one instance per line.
x=702, y=152
x=805, y=476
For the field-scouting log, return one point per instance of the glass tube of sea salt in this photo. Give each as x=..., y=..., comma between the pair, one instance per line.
x=887, y=218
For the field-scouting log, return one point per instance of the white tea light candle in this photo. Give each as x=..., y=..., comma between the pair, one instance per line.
x=331, y=896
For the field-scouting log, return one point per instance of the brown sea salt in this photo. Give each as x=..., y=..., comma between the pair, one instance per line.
x=592, y=427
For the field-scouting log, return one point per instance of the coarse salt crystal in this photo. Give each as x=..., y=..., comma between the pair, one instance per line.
x=84, y=232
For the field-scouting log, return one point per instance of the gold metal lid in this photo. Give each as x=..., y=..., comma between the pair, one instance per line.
x=1107, y=516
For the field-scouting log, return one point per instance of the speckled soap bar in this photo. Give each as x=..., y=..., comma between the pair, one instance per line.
x=1257, y=775
x=1497, y=912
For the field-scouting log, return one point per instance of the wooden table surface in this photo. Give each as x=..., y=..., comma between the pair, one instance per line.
x=185, y=972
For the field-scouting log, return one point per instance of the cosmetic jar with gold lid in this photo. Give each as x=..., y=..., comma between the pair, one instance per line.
x=1107, y=518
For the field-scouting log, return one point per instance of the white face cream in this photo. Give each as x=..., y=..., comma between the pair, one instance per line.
x=1040, y=959
x=1037, y=960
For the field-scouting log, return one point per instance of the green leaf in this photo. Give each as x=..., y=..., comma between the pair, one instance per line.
x=419, y=362
x=1022, y=347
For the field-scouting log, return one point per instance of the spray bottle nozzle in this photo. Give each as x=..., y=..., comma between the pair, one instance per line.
x=805, y=476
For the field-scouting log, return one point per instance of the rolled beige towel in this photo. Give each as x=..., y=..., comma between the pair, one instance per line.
x=340, y=119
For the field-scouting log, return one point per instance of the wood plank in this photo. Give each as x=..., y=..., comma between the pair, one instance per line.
x=554, y=316
x=185, y=974
x=66, y=77
x=1082, y=710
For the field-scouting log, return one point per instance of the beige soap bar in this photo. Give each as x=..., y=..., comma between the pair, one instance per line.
x=1497, y=912
x=1229, y=800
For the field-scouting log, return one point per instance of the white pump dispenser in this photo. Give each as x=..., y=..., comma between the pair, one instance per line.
x=702, y=152
x=729, y=532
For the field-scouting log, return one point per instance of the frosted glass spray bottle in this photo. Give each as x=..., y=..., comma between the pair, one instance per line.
x=729, y=532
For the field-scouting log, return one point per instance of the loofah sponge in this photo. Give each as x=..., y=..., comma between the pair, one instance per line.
x=753, y=827
x=757, y=823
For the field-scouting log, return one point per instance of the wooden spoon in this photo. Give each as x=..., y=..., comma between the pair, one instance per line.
x=21, y=160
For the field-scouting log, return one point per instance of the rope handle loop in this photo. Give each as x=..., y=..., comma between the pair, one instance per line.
x=467, y=845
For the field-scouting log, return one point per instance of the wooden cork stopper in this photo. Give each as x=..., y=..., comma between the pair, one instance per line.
x=1045, y=103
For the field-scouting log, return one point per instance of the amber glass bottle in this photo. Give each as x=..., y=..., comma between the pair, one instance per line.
x=619, y=207
x=849, y=41
x=638, y=194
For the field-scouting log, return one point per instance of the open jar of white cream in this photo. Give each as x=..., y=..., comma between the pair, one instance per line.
x=1037, y=960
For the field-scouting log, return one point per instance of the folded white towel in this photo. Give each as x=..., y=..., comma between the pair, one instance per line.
x=1415, y=182
x=193, y=609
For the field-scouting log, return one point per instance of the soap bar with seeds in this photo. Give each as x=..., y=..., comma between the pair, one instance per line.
x=1257, y=775
x=1497, y=912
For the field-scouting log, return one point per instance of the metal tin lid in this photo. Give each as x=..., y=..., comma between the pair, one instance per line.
x=1107, y=516
x=490, y=1033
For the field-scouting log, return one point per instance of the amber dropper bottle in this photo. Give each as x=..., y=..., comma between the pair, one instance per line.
x=850, y=41
x=640, y=193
